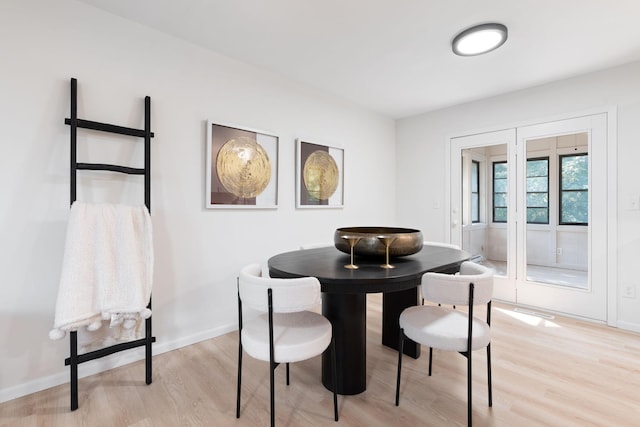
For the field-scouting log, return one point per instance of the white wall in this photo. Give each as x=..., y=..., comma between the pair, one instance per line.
x=198, y=251
x=422, y=141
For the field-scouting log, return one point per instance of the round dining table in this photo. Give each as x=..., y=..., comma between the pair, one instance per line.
x=344, y=300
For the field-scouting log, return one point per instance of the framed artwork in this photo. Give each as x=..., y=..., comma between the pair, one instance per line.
x=242, y=168
x=319, y=175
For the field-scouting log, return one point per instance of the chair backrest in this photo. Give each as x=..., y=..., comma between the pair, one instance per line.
x=316, y=245
x=289, y=295
x=442, y=244
x=454, y=288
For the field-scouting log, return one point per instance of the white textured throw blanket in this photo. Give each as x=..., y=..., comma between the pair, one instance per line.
x=107, y=269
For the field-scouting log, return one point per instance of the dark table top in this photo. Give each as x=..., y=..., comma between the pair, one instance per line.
x=327, y=264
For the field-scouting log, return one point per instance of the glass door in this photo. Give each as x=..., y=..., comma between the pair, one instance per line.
x=482, y=188
x=562, y=178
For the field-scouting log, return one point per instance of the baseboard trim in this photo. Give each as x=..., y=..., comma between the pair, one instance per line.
x=115, y=360
x=628, y=326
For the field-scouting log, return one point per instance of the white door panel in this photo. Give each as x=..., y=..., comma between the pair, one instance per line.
x=479, y=238
x=590, y=300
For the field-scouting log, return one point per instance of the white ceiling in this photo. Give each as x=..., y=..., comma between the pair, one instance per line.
x=394, y=56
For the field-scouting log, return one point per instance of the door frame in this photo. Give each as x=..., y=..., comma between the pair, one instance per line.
x=612, y=191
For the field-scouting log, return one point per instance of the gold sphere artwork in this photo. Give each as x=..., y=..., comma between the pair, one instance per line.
x=321, y=175
x=244, y=168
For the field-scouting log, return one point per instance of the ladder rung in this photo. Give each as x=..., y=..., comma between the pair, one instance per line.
x=102, y=352
x=105, y=127
x=113, y=168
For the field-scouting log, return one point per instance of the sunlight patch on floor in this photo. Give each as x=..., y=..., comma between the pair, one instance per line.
x=533, y=319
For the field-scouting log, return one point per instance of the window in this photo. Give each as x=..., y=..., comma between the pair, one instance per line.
x=538, y=191
x=499, y=191
x=574, y=189
x=475, y=191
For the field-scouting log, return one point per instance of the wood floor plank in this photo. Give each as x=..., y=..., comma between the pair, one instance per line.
x=546, y=372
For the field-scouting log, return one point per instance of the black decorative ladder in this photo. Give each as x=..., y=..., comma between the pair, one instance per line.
x=75, y=359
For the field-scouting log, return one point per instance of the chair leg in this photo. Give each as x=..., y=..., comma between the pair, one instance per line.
x=400, y=351
x=239, y=380
x=489, y=373
x=430, y=359
x=469, y=401
x=272, y=393
x=287, y=373
x=334, y=379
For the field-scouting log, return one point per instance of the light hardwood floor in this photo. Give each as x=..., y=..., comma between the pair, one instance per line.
x=560, y=372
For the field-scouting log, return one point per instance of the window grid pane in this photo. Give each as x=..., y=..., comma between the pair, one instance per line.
x=538, y=190
x=475, y=191
x=538, y=167
x=574, y=191
x=575, y=207
x=538, y=184
x=574, y=171
x=500, y=191
x=537, y=200
x=500, y=215
x=537, y=215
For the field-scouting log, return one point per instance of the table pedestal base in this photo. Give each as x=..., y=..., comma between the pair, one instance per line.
x=348, y=316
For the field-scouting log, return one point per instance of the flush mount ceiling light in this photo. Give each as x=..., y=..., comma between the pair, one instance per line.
x=479, y=39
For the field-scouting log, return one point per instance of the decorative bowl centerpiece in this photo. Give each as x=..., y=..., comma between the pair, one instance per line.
x=404, y=241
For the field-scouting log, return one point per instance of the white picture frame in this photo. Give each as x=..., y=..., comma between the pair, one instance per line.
x=319, y=175
x=238, y=162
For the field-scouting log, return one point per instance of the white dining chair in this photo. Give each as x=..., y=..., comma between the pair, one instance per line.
x=285, y=331
x=449, y=329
